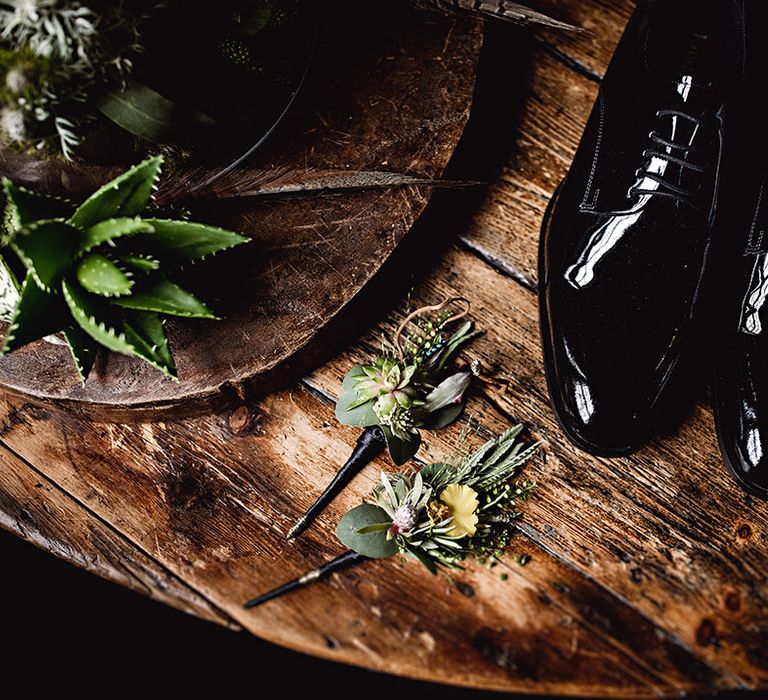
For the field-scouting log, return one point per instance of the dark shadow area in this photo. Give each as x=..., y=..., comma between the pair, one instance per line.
x=67, y=629
x=76, y=628
x=486, y=146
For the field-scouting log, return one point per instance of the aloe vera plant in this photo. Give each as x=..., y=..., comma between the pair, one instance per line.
x=99, y=272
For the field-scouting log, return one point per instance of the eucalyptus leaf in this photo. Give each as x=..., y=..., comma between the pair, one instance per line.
x=401, y=450
x=38, y=313
x=99, y=275
x=370, y=544
x=350, y=380
x=163, y=296
x=46, y=248
x=125, y=196
x=362, y=416
x=185, y=241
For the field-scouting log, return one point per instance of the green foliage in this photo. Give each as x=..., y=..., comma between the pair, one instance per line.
x=409, y=386
x=141, y=111
x=99, y=274
x=414, y=514
x=359, y=531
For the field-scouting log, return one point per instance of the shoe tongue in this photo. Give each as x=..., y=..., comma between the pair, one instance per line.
x=698, y=41
x=692, y=97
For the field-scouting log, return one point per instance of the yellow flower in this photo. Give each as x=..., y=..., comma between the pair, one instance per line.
x=463, y=503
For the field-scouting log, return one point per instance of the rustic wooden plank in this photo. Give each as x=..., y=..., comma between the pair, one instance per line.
x=505, y=227
x=211, y=497
x=649, y=543
x=400, y=106
x=659, y=529
x=602, y=22
x=36, y=510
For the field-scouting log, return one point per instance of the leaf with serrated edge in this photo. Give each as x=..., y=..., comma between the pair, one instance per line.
x=140, y=264
x=185, y=241
x=99, y=275
x=26, y=206
x=9, y=291
x=109, y=230
x=46, y=248
x=144, y=331
x=126, y=195
x=95, y=319
x=83, y=349
x=38, y=313
x=163, y=296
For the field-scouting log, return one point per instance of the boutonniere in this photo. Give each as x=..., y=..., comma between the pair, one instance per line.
x=413, y=384
x=439, y=515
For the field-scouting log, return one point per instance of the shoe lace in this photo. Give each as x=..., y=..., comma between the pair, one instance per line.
x=674, y=153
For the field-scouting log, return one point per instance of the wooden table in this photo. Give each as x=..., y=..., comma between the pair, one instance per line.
x=647, y=575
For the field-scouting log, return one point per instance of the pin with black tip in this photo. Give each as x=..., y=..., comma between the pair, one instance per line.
x=370, y=445
x=343, y=561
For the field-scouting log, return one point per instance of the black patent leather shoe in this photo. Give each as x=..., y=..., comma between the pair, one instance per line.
x=740, y=279
x=628, y=235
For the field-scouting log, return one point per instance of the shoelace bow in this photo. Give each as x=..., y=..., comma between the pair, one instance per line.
x=667, y=188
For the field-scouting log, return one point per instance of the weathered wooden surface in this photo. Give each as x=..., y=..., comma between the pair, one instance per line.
x=399, y=107
x=647, y=576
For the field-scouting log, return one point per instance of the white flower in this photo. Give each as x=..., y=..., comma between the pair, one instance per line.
x=12, y=124
x=16, y=80
x=405, y=518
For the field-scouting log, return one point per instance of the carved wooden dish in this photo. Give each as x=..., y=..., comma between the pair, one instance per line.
x=399, y=106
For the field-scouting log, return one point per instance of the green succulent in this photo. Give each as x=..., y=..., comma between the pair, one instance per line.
x=98, y=272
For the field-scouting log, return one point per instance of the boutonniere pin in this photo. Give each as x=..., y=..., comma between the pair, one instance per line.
x=439, y=515
x=413, y=384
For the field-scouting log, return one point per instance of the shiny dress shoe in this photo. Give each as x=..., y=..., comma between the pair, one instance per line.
x=627, y=237
x=740, y=280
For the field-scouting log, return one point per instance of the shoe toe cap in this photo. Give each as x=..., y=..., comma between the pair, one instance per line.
x=601, y=420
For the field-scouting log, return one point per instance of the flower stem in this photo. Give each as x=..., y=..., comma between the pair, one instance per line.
x=343, y=561
x=370, y=445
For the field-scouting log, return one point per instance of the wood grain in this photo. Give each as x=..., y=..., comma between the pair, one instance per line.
x=647, y=576
x=401, y=106
x=36, y=510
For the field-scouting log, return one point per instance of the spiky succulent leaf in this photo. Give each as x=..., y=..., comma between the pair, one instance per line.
x=38, y=313
x=46, y=248
x=140, y=264
x=144, y=331
x=99, y=275
x=185, y=241
x=109, y=230
x=95, y=318
x=83, y=349
x=9, y=291
x=163, y=296
x=126, y=195
x=26, y=206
